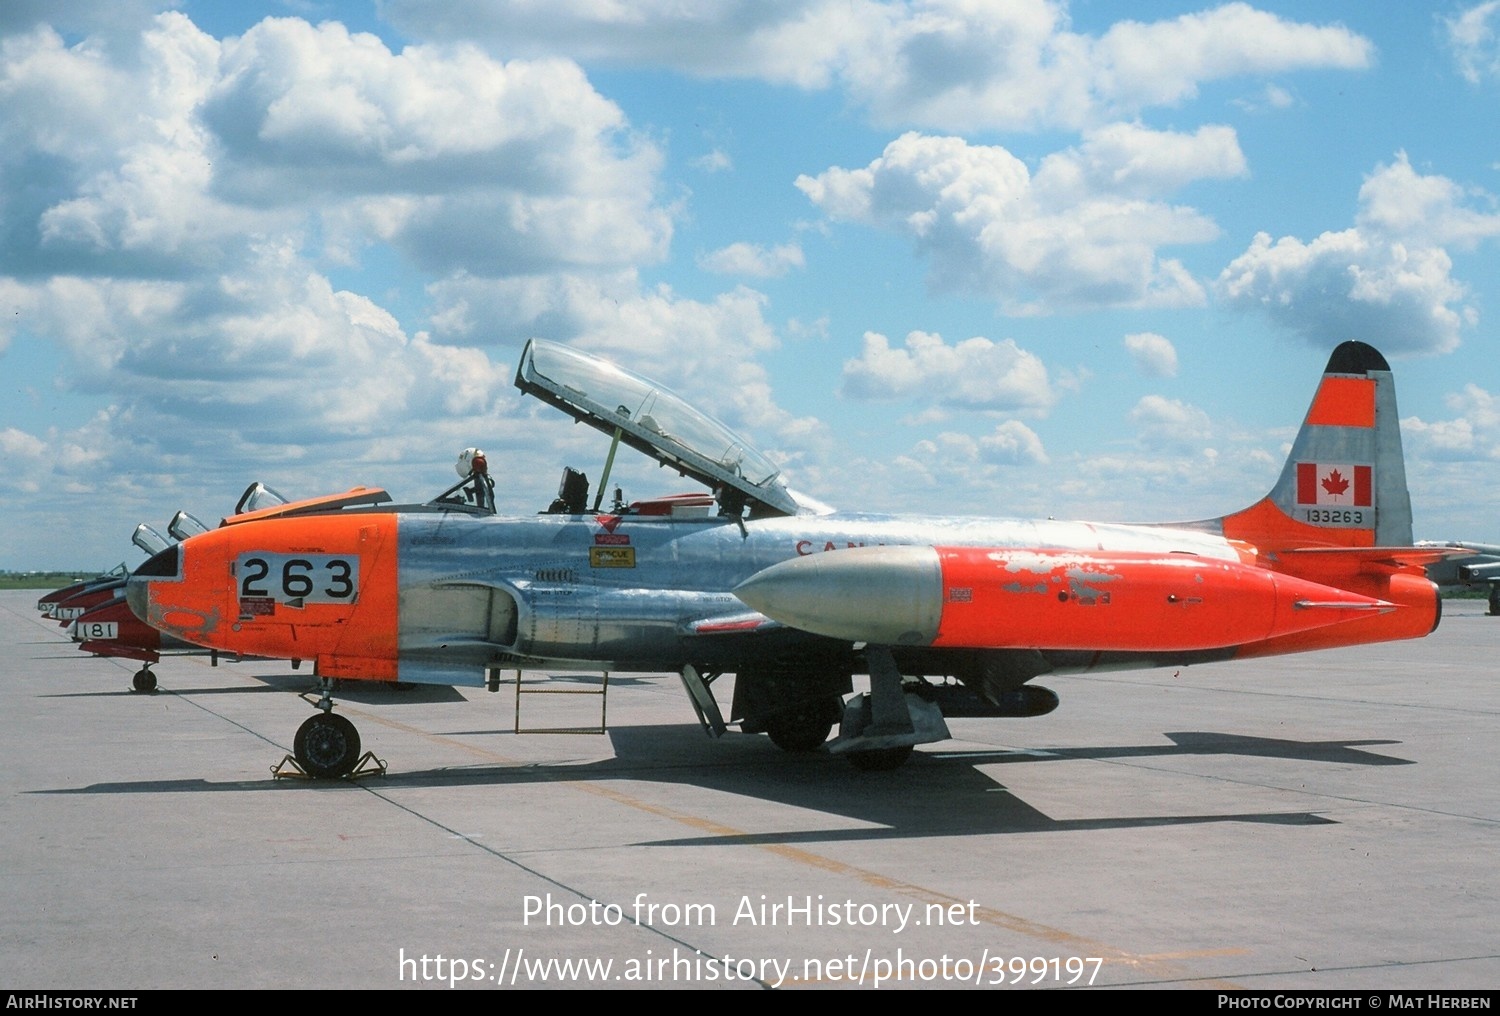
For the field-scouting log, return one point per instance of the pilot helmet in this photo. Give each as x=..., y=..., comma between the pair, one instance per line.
x=471, y=460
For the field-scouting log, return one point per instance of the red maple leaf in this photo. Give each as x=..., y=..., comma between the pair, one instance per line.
x=1335, y=484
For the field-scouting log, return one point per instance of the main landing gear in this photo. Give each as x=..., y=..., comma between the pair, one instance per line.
x=806, y=726
x=327, y=747
x=796, y=707
x=880, y=728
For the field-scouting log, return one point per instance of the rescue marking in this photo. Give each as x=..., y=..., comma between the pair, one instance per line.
x=611, y=557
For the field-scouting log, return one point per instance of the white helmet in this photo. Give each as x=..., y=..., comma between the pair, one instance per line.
x=471, y=460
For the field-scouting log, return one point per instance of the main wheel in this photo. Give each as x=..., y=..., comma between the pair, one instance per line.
x=804, y=727
x=880, y=760
x=327, y=746
x=143, y=680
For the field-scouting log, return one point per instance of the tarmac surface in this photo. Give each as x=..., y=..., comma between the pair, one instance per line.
x=1327, y=821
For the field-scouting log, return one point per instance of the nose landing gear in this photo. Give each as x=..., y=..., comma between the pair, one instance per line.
x=327, y=747
x=143, y=680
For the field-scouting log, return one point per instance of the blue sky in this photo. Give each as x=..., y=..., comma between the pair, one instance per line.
x=1017, y=258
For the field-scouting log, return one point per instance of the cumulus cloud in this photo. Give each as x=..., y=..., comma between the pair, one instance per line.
x=1128, y=160
x=954, y=472
x=1473, y=434
x=1012, y=442
x=708, y=351
x=1078, y=235
x=959, y=66
x=18, y=443
x=174, y=202
x=451, y=156
x=1396, y=201
x=1474, y=42
x=1449, y=459
x=1272, y=97
x=943, y=64
x=1154, y=355
x=716, y=161
x=1387, y=280
x=277, y=356
x=786, y=41
x=1170, y=423
x=163, y=161
x=753, y=260
x=976, y=373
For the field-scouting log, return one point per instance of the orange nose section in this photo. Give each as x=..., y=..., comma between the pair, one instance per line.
x=321, y=587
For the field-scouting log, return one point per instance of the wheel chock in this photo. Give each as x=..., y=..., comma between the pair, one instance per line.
x=368, y=765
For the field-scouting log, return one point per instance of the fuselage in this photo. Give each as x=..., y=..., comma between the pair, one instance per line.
x=439, y=596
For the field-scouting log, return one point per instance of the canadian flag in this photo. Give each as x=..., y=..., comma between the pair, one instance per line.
x=1337, y=483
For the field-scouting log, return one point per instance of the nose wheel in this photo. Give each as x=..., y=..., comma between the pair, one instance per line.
x=327, y=746
x=143, y=680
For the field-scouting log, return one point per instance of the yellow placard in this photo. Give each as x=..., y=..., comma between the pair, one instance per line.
x=612, y=557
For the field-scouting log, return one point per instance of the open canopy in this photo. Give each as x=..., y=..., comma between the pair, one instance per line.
x=652, y=420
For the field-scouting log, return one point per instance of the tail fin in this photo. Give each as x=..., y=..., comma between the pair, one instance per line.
x=1344, y=483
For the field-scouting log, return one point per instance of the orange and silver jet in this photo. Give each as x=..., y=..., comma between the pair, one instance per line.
x=947, y=616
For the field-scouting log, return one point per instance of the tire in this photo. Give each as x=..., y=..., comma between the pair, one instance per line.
x=143, y=680
x=327, y=746
x=805, y=727
x=880, y=760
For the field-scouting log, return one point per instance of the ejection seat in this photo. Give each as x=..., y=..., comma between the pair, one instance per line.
x=572, y=494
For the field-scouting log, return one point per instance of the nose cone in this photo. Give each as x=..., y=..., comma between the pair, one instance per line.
x=883, y=595
x=165, y=565
x=137, y=595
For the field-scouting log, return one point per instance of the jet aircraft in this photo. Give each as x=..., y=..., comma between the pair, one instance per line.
x=67, y=604
x=1480, y=567
x=48, y=601
x=947, y=616
x=99, y=619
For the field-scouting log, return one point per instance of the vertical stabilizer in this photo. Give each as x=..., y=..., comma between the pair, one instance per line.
x=1344, y=483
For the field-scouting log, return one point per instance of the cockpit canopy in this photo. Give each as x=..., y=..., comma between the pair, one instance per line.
x=185, y=524
x=655, y=421
x=258, y=496
x=149, y=540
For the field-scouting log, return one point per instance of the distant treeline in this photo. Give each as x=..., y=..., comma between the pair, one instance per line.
x=44, y=579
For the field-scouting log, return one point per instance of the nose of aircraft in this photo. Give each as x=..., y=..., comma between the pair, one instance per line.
x=164, y=565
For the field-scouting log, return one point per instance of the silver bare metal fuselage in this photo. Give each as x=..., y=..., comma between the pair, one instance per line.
x=648, y=593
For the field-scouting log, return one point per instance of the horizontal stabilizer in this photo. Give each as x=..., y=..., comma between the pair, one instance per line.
x=1374, y=559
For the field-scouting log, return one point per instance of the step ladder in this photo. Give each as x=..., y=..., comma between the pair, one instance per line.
x=601, y=690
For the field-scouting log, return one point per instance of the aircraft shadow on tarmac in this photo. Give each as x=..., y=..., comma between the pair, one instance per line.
x=938, y=794
x=361, y=692
x=1205, y=743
